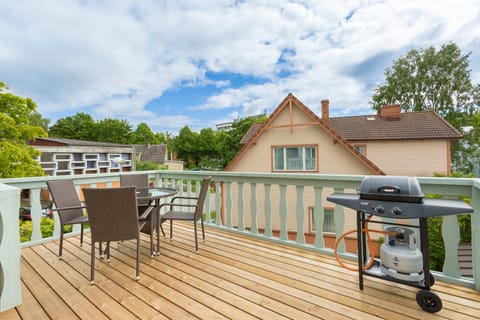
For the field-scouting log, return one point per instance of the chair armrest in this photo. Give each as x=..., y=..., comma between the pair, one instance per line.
x=186, y=205
x=146, y=213
x=70, y=208
x=184, y=198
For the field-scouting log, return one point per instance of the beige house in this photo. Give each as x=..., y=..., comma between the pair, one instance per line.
x=294, y=139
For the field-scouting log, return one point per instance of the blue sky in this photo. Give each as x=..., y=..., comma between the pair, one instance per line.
x=198, y=63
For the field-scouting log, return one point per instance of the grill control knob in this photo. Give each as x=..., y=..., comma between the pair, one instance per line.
x=379, y=209
x=396, y=211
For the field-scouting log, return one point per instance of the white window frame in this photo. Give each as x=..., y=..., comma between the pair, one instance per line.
x=296, y=164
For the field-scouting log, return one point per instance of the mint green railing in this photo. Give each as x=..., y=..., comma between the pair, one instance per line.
x=271, y=206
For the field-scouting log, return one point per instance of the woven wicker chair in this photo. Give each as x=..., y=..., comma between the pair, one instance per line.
x=193, y=213
x=68, y=206
x=141, y=182
x=114, y=216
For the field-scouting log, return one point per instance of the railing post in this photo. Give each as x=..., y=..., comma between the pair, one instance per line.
x=35, y=213
x=10, y=288
x=339, y=218
x=283, y=212
x=228, y=196
x=300, y=212
x=253, y=207
x=451, y=239
x=268, y=211
x=318, y=217
x=218, y=203
x=476, y=233
x=241, y=212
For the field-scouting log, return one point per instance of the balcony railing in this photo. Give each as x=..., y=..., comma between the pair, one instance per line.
x=285, y=208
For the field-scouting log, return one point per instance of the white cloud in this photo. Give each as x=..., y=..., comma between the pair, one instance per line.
x=111, y=58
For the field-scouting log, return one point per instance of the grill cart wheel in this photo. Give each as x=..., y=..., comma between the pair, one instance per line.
x=432, y=279
x=429, y=301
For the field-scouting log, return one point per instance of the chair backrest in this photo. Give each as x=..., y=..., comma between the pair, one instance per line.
x=112, y=213
x=139, y=180
x=201, y=197
x=65, y=195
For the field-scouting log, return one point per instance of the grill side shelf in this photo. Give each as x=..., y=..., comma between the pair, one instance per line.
x=444, y=207
x=349, y=200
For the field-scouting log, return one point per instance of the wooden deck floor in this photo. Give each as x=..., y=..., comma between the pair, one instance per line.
x=233, y=277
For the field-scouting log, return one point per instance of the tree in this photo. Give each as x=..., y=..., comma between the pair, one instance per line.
x=113, y=130
x=17, y=159
x=466, y=154
x=440, y=80
x=144, y=135
x=81, y=126
x=36, y=119
x=185, y=145
x=229, y=141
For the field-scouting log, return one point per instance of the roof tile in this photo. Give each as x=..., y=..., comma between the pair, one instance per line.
x=410, y=125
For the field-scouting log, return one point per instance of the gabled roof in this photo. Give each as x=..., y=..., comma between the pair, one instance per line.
x=251, y=132
x=73, y=142
x=152, y=152
x=410, y=125
x=287, y=102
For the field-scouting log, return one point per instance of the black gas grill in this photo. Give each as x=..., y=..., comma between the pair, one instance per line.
x=398, y=198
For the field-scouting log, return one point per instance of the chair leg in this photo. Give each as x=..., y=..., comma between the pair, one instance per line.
x=137, y=272
x=81, y=234
x=171, y=229
x=157, y=231
x=152, y=248
x=163, y=232
x=92, y=263
x=196, y=237
x=107, y=251
x=61, y=243
x=100, y=251
x=203, y=231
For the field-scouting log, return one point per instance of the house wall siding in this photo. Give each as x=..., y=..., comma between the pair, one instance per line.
x=424, y=157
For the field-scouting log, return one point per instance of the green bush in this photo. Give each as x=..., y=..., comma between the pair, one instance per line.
x=436, y=245
x=46, y=228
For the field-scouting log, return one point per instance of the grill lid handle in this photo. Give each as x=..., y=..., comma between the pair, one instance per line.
x=388, y=189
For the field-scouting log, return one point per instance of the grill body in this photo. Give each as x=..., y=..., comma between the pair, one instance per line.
x=398, y=197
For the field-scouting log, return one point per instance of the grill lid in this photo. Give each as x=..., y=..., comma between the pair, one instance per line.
x=391, y=188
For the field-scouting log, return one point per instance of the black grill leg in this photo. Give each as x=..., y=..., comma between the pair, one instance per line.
x=360, y=223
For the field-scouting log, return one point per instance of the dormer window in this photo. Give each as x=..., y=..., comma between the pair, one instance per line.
x=362, y=148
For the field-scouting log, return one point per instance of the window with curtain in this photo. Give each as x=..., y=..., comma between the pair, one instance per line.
x=302, y=158
x=328, y=220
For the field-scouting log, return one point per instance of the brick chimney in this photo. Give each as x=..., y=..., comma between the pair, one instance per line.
x=325, y=110
x=390, y=112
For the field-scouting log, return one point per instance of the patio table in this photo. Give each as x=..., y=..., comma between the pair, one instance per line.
x=154, y=195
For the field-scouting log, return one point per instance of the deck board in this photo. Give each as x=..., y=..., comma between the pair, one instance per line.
x=233, y=277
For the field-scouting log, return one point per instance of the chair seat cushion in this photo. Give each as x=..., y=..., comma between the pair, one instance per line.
x=177, y=215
